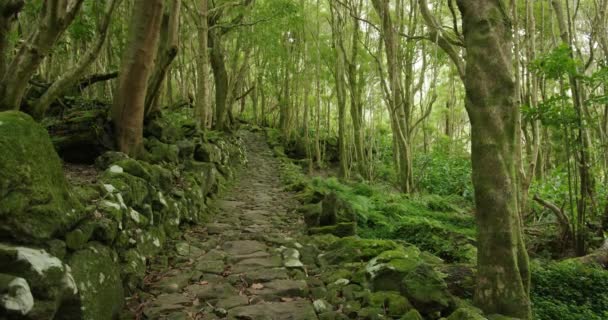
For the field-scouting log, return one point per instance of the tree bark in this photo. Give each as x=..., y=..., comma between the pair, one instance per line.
x=128, y=108
x=167, y=51
x=202, y=108
x=503, y=277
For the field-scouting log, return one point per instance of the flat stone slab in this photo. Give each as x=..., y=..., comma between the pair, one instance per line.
x=292, y=310
x=242, y=247
x=210, y=266
x=165, y=304
x=232, y=302
x=211, y=291
x=257, y=263
x=265, y=275
x=217, y=228
x=173, y=283
x=283, y=288
x=257, y=254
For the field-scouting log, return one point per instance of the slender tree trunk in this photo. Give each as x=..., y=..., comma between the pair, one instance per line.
x=137, y=64
x=167, y=51
x=220, y=75
x=503, y=278
x=202, y=108
x=71, y=77
x=396, y=101
x=57, y=16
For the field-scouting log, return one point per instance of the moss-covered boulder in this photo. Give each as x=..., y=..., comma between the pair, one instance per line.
x=405, y=270
x=335, y=210
x=97, y=275
x=35, y=200
x=207, y=152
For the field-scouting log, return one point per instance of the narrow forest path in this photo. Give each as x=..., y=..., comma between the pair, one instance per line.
x=243, y=265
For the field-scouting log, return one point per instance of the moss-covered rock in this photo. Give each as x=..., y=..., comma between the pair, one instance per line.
x=353, y=249
x=335, y=210
x=412, y=315
x=51, y=282
x=466, y=314
x=207, y=152
x=343, y=229
x=393, y=302
x=404, y=270
x=97, y=275
x=131, y=189
x=159, y=152
x=35, y=200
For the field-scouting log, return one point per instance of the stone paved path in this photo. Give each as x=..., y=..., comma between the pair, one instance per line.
x=243, y=265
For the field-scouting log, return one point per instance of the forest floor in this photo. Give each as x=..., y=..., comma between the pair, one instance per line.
x=243, y=265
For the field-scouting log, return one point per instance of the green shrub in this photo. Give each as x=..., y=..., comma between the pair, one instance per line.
x=569, y=291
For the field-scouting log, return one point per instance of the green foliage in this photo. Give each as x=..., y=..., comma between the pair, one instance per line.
x=438, y=224
x=569, y=291
x=556, y=64
x=446, y=170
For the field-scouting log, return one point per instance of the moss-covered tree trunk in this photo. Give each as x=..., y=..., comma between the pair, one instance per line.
x=128, y=107
x=503, y=278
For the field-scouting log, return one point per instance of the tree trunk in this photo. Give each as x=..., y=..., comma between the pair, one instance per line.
x=57, y=15
x=71, y=77
x=8, y=15
x=220, y=76
x=202, y=108
x=138, y=59
x=396, y=101
x=503, y=278
x=167, y=51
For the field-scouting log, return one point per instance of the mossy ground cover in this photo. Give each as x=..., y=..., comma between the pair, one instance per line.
x=444, y=225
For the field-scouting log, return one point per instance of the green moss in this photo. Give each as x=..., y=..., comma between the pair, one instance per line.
x=159, y=152
x=35, y=200
x=344, y=229
x=133, y=190
x=466, y=314
x=353, y=249
x=97, y=276
x=426, y=289
x=393, y=302
x=412, y=315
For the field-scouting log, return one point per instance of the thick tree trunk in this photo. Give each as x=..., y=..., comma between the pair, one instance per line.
x=71, y=77
x=138, y=59
x=167, y=51
x=57, y=15
x=503, y=278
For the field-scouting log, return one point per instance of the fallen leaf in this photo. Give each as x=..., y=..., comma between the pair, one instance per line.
x=203, y=283
x=286, y=299
x=257, y=286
